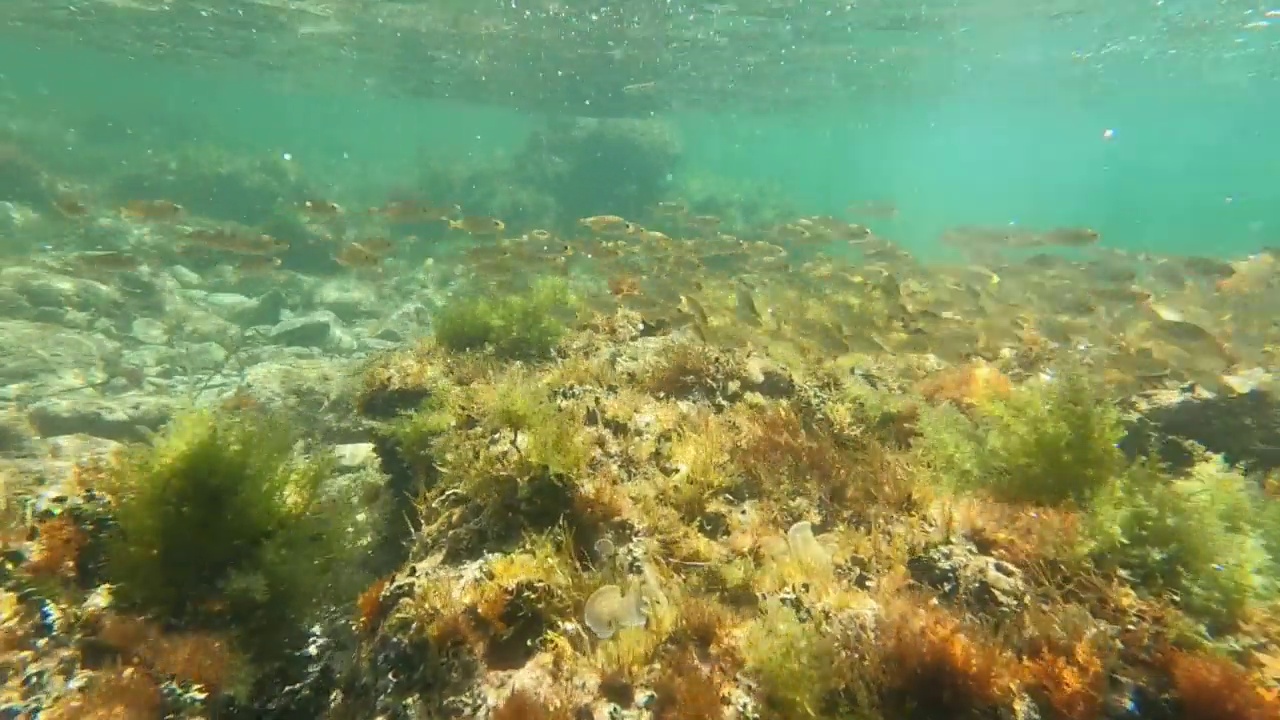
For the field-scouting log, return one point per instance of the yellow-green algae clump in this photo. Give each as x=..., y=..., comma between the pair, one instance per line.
x=521, y=325
x=223, y=524
x=1203, y=538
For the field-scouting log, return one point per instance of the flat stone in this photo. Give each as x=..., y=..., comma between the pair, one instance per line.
x=228, y=304
x=149, y=331
x=185, y=276
x=44, y=289
x=124, y=418
x=313, y=330
x=344, y=298
x=30, y=351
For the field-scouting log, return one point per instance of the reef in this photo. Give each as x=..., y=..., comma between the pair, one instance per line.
x=620, y=523
x=573, y=168
x=685, y=476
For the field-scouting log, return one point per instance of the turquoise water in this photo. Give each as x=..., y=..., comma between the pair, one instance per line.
x=1190, y=166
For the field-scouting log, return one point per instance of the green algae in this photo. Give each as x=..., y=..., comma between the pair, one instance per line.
x=1202, y=537
x=221, y=524
x=1051, y=443
x=524, y=325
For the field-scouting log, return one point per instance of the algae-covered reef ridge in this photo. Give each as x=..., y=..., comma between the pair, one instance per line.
x=570, y=515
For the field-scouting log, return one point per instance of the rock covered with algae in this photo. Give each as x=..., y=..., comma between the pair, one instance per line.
x=629, y=524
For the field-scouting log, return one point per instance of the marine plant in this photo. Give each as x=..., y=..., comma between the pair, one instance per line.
x=685, y=691
x=523, y=325
x=21, y=179
x=127, y=693
x=937, y=666
x=221, y=524
x=1048, y=442
x=580, y=161
x=59, y=541
x=213, y=183
x=523, y=704
x=1209, y=687
x=792, y=659
x=1200, y=537
x=1071, y=684
x=204, y=658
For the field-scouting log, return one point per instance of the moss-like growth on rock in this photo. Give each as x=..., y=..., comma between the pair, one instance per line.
x=519, y=326
x=222, y=525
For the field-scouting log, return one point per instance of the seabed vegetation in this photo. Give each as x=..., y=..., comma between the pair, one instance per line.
x=670, y=467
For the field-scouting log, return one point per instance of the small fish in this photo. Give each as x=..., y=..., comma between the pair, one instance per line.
x=655, y=237
x=409, y=211
x=377, y=245
x=257, y=264
x=242, y=242
x=852, y=232
x=624, y=286
x=476, y=225
x=70, y=207
x=691, y=306
x=747, y=308
x=355, y=255
x=540, y=235
x=1071, y=237
x=792, y=231
x=152, y=210
x=705, y=223
x=106, y=260
x=876, y=209
x=672, y=207
x=604, y=223
x=639, y=87
x=322, y=208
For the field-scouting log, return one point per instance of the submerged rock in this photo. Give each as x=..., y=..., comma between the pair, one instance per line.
x=32, y=351
x=266, y=310
x=312, y=330
x=125, y=418
x=42, y=288
x=959, y=571
x=1244, y=429
x=345, y=298
x=149, y=331
x=353, y=456
x=227, y=305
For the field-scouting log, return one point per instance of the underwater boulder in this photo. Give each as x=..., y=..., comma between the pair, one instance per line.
x=1244, y=428
x=601, y=166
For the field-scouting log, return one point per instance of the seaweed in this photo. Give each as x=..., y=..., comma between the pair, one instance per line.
x=793, y=661
x=1050, y=442
x=935, y=666
x=1208, y=687
x=1200, y=537
x=523, y=325
x=221, y=525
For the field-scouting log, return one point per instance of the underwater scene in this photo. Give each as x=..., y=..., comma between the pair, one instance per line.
x=644, y=360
